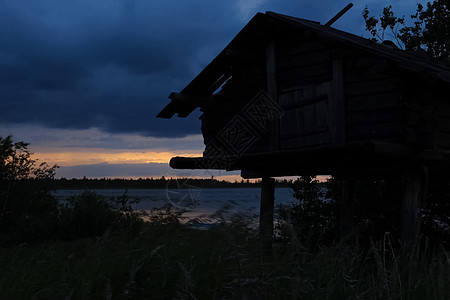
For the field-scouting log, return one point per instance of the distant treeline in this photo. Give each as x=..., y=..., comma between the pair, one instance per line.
x=153, y=183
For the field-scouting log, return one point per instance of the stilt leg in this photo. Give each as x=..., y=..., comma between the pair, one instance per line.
x=266, y=213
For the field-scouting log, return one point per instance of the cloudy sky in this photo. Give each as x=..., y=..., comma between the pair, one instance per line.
x=82, y=81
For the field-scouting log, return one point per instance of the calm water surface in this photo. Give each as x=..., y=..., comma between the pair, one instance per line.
x=200, y=202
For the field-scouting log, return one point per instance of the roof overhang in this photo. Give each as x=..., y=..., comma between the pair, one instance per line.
x=259, y=31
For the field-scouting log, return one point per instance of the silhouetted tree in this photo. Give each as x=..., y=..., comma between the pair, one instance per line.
x=430, y=31
x=314, y=217
x=26, y=204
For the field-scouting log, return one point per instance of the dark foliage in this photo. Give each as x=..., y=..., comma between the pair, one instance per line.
x=314, y=218
x=27, y=209
x=149, y=183
x=85, y=215
x=436, y=210
x=89, y=214
x=429, y=33
x=30, y=213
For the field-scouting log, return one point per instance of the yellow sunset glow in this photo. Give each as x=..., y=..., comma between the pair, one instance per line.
x=91, y=157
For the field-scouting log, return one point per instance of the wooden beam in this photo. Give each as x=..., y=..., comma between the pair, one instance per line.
x=189, y=100
x=266, y=213
x=272, y=90
x=219, y=82
x=339, y=14
x=245, y=56
x=338, y=100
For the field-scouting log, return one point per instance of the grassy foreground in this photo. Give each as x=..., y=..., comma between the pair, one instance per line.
x=170, y=261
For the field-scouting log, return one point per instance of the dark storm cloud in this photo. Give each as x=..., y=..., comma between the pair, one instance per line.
x=112, y=64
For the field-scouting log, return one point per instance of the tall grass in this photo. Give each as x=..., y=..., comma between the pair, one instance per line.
x=166, y=260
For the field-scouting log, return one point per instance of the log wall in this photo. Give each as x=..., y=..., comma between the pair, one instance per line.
x=380, y=102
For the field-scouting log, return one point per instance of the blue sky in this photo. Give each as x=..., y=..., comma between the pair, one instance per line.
x=82, y=81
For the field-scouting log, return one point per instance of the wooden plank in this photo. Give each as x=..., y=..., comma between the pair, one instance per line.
x=305, y=91
x=370, y=102
x=305, y=118
x=442, y=124
x=303, y=102
x=305, y=59
x=213, y=88
x=373, y=117
x=243, y=56
x=337, y=101
x=271, y=71
x=363, y=75
x=302, y=133
x=288, y=83
x=371, y=87
x=272, y=91
x=356, y=61
x=367, y=132
x=305, y=73
x=304, y=76
x=300, y=47
x=442, y=140
x=307, y=141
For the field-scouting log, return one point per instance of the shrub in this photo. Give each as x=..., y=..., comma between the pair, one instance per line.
x=90, y=214
x=314, y=218
x=27, y=209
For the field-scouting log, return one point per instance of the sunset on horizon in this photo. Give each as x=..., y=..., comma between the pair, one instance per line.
x=83, y=82
x=243, y=149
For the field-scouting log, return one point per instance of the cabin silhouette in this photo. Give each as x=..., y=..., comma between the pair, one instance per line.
x=289, y=96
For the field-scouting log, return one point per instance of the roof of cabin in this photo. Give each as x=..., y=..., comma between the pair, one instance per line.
x=211, y=77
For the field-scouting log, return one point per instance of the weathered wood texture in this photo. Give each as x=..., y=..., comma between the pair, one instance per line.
x=330, y=96
x=305, y=122
x=372, y=99
x=272, y=91
x=303, y=62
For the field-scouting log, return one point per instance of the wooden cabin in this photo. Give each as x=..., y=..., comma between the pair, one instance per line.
x=289, y=96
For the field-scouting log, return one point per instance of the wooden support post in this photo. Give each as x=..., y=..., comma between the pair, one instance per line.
x=266, y=213
x=347, y=222
x=415, y=182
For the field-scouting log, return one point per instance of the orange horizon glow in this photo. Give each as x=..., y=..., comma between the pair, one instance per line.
x=98, y=156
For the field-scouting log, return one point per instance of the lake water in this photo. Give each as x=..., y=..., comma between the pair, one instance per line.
x=200, y=202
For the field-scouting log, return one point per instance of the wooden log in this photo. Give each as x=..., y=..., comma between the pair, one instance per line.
x=415, y=182
x=371, y=87
x=373, y=131
x=305, y=60
x=300, y=47
x=266, y=213
x=371, y=102
x=375, y=116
